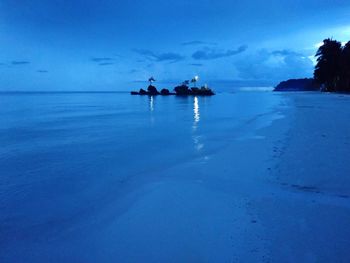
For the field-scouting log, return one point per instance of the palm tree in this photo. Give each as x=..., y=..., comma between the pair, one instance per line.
x=345, y=73
x=151, y=80
x=194, y=80
x=328, y=67
x=152, y=90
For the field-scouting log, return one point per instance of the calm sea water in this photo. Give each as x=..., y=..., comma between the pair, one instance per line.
x=64, y=156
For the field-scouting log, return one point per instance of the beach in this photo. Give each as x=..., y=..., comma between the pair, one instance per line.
x=247, y=176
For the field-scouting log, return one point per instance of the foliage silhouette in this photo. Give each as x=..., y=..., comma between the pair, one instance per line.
x=332, y=70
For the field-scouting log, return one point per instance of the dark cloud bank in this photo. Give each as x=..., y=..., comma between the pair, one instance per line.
x=19, y=62
x=209, y=53
x=159, y=57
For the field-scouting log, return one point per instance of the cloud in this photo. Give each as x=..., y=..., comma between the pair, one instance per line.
x=209, y=53
x=285, y=52
x=102, y=59
x=274, y=65
x=106, y=64
x=42, y=71
x=197, y=42
x=196, y=64
x=19, y=62
x=159, y=57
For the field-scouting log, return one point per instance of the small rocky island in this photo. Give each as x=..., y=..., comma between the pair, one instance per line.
x=181, y=90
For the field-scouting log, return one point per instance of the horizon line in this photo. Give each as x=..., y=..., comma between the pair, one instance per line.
x=62, y=91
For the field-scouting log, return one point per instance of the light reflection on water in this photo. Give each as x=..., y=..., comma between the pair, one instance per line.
x=151, y=109
x=196, y=110
x=151, y=103
x=198, y=145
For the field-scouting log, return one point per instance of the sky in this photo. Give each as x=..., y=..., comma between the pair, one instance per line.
x=97, y=45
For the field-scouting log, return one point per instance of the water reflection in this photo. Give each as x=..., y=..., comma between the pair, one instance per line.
x=198, y=145
x=151, y=103
x=196, y=114
x=196, y=110
x=151, y=109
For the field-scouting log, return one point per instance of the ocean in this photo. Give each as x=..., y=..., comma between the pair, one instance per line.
x=66, y=160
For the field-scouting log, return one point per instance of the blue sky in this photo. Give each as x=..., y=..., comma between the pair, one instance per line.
x=114, y=45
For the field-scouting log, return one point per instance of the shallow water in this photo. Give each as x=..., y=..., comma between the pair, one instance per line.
x=64, y=156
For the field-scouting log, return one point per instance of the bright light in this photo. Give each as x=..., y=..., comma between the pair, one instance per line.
x=196, y=78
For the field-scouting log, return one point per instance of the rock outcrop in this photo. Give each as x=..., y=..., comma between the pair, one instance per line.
x=152, y=90
x=164, y=92
x=182, y=90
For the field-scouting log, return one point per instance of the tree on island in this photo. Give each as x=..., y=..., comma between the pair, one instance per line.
x=152, y=90
x=151, y=80
x=183, y=88
x=194, y=81
x=333, y=66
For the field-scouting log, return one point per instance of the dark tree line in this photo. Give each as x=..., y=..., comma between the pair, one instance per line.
x=333, y=66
